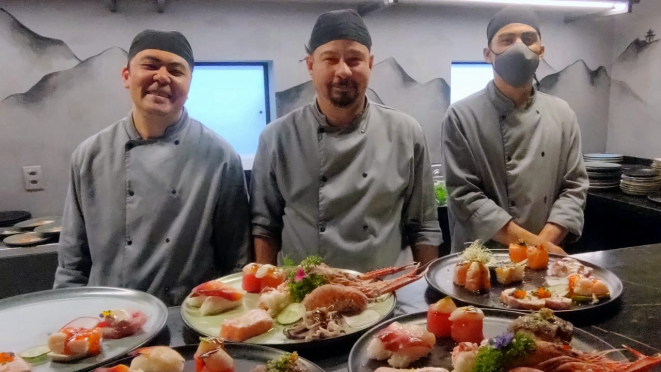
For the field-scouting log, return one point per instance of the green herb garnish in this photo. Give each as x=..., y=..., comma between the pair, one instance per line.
x=441, y=194
x=490, y=359
x=287, y=362
x=300, y=285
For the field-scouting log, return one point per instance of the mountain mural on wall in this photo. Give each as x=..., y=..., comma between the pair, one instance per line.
x=37, y=56
x=630, y=116
x=392, y=86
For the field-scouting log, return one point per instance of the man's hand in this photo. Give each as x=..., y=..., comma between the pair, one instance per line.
x=424, y=253
x=553, y=233
x=511, y=233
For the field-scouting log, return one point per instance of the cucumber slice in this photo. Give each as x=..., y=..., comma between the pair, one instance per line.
x=35, y=354
x=291, y=314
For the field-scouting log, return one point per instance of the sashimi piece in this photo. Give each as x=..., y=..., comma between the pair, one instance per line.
x=460, y=271
x=558, y=303
x=120, y=323
x=467, y=324
x=478, y=278
x=401, y=345
x=251, y=324
x=464, y=356
x=72, y=343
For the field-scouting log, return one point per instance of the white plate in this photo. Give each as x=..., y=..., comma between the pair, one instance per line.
x=27, y=320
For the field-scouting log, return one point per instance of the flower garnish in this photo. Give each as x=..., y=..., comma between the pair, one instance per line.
x=501, y=341
x=300, y=274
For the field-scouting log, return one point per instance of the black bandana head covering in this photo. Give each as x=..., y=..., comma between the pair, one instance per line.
x=339, y=25
x=509, y=15
x=168, y=41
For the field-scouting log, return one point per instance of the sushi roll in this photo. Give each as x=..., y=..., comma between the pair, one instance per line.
x=467, y=324
x=218, y=297
x=511, y=273
x=257, y=277
x=518, y=252
x=157, y=359
x=478, y=278
x=251, y=324
x=438, y=315
x=211, y=356
x=401, y=345
x=538, y=257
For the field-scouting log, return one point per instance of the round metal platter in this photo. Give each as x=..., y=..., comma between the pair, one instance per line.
x=655, y=197
x=27, y=321
x=25, y=240
x=8, y=231
x=441, y=273
x=210, y=325
x=36, y=222
x=245, y=356
x=495, y=323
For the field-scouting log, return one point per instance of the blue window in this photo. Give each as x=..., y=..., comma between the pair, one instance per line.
x=232, y=99
x=467, y=78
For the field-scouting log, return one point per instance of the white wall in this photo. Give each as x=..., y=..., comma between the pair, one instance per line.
x=423, y=39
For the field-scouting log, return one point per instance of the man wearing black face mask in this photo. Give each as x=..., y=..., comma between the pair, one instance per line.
x=512, y=155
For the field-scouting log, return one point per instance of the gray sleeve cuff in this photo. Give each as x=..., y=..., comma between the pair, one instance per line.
x=487, y=220
x=258, y=230
x=426, y=233
x=568, y=215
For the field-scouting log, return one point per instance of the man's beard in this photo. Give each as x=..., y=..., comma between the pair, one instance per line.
x=343, y=98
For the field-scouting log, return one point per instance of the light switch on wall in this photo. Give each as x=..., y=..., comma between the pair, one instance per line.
x=33, y=178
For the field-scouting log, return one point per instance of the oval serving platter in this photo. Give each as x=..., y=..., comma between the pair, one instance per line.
x=210, y=325
x=441, y=272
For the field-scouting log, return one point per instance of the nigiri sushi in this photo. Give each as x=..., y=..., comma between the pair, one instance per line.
x=211, y=356
x=120, y=323
x=401, y=345
x=467, y=324
x=478, y=278
x=538, y=257
x=10, y=362
x=257, y=277
x=216, y=297
x=78, y=339
x=157, y=359
x=438, y=315
x=464, y=356
x=251, y=324
x=582, y=286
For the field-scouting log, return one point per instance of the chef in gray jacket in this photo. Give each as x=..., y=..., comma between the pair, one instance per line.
x=342, y=177
x=512, y=155
x=157, y=201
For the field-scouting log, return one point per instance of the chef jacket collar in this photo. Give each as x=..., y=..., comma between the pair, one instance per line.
x=170, y=132
x=503, y=104
x=359, y=123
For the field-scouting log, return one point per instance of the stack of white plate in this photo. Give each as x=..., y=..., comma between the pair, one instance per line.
x=656, y=165
x=642, y=181
x=603, y=175
x=604, y=158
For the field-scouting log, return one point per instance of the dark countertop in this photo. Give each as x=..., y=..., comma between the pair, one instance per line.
x=633, y=321
x=617, y=196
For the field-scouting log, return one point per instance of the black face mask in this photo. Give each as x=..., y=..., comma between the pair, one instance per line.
x=516, y=65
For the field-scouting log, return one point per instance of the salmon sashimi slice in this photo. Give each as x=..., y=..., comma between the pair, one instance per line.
x=251, y=324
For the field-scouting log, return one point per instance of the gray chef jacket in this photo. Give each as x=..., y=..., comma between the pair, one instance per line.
x=159, y=215
x=356, y=196
x=505, y=163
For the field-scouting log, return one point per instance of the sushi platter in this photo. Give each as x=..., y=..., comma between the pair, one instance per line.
x=441, y=277
x=242, y=357
x=42, y=322
x=364, y=356
x=276, y=329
